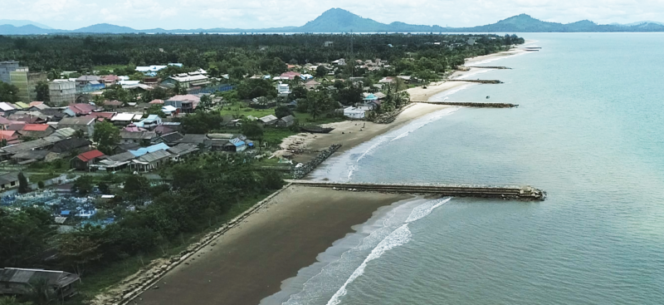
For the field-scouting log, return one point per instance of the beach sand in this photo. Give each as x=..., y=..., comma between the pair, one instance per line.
x=250, y=261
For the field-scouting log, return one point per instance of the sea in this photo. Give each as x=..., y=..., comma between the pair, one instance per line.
x=589, y=130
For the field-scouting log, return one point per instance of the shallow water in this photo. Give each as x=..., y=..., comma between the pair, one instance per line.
x=588, y=131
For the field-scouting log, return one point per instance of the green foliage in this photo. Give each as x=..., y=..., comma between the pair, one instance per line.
x=298, y=92
x=156, y=109
x=252, y=88
x=252, y=130
x=321, y=71
x=282, y=111
x=43, y=92
x=40, y=184
x=83, y=185
x=107, y=136
x=23, y=185
x=11, y=301
x=116, y=92
x=136, y=187
x=22, y=235
x=205, y=103
x=318, y=102
x=201, y=122
x=8, y=93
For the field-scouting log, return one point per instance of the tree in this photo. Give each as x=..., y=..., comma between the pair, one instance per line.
x=23, y=185
x=252, y=131
x=24, y=235
x=156, y=109
x=106, y=136
x=205, y=103
x=297, y=93
x=78, y=250
x=321, y=71
x=41, y=292
x=317, y=103
x=83, y=185
x=136, y=186
x=11, y=301
x=282, y=111
x=8, y=93
x=201, y=122
x=43, y=92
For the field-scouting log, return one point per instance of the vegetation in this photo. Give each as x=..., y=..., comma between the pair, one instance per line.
x=106, y=136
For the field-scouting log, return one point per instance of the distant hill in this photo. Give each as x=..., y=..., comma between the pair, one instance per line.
x=19, y=23
x=338, y=21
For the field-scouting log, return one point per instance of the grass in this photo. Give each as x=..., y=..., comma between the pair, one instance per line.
x=38, y=177
x=108, y=67
x=112, y=274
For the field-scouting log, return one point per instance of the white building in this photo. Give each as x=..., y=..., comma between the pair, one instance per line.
x=355, y=112
x=283, y=89
x=62, y=91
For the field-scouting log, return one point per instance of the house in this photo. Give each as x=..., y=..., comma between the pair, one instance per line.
x=84, y=123
x=290, y=75
x=79, y=109
x=355, y=112
x=236, y=145
x=386, y=80
x=18, y=281
x=109, y=80
x=184, y=103
x=84, y=160
x=283, y=89
x=168, y=110
x=150, y=149
x=9, y=137
x=103, y=116
x=339, y=62
x=8, y=181
x=151, y=161
x=37, y=106
x=70, y=145
x=186, y=80
x=143, y=137
x=53, y=115
x=151, y=121
x=268, y=120
x=172, y=138
x=286, y=121
x=195, y=139
x=310, y=85
x=7, y=107
x=115, y=162
x=114, y=104
x=36, y=131
x=29, y=156
x=29, y=117
x=371, y=101
x=150, y=70
x=178, y=152
x=156, y=102
x=124, y=118
x=88, y=79
x=163, y=129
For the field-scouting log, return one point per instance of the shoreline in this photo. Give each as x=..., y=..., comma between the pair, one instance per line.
x=250, y=261
x=353, y=133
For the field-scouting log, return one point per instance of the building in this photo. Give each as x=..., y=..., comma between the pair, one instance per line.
x=8, y=181
x=142, y=138
x=186, y=80
x=26, y=83
x=151, y=161
x=185, y=103
x=355, y=112
x=150, y=70
x=81, y=109
x=36, y=131
x=7, y=67
x=17, y=281
x=283, y=89
x=268, y=120
x=84, y=123
x=84, y=160
x=180, y=151
x=286, y=121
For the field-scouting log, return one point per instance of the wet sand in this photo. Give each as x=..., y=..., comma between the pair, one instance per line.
x=250, y=261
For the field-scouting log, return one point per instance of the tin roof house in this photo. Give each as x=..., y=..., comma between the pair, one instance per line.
x=17, y=281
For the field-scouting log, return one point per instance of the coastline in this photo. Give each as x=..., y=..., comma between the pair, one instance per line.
x=251, y=260
x=353, y=133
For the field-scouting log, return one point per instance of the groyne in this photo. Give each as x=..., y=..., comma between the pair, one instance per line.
x=491, y=67
x=525, y=193
x=303, y=170
x=479, y=81
x=474, y=105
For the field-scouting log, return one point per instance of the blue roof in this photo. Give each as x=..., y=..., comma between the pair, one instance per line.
x=150, y=149
x=64, y=213
x=371, y=97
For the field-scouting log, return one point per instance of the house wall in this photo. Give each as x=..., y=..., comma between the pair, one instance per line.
x=62, y=93
x=5, y=68
x=19, y=78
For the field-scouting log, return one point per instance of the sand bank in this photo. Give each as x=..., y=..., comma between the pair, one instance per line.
x=251, y=260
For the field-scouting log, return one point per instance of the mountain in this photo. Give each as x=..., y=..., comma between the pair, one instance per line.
x=339, y=21
x=105, y=28
x=19, y=23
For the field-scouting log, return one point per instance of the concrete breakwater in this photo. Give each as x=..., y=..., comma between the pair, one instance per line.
x=301, y=171
x=479, y=81
x=525, y=193
x=475, y=105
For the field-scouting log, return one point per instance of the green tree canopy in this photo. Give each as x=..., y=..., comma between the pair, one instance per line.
x=107, y=136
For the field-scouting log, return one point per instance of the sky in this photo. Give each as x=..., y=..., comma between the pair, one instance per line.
x=256, y=14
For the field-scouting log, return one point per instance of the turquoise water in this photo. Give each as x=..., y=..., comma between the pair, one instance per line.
x=588, y=131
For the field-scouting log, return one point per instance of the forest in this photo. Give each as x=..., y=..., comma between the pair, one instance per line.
x=239, y=55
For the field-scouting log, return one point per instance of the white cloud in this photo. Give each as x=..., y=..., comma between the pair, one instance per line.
x=169, y=14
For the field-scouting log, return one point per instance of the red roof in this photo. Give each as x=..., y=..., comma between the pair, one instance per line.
x=105, y=115
x=157, y=102
x=35, y=103
x=290, y=74
x=90, y=155
x=35, y=127
x=81, y=108
x=7, y=135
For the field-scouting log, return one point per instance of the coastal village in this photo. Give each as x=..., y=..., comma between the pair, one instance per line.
x=87, y=149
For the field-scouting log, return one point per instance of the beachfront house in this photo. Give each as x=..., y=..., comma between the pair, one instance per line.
x=356, y=112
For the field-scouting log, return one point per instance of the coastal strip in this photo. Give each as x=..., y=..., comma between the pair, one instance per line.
x=473, y=105
x=250, y=260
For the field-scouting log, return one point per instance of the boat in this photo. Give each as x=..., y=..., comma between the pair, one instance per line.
x=315, y=129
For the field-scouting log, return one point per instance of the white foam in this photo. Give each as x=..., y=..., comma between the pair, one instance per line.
x=425, y=209
x=399, y=237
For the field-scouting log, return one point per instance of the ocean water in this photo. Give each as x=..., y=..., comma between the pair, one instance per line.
x=589, y=131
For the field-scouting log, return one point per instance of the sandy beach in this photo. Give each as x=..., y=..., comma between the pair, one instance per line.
x=250, y=261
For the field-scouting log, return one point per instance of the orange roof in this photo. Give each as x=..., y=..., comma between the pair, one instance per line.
x=90, y=155
x=35, y=103
x=35, y=127
x=7, y=135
